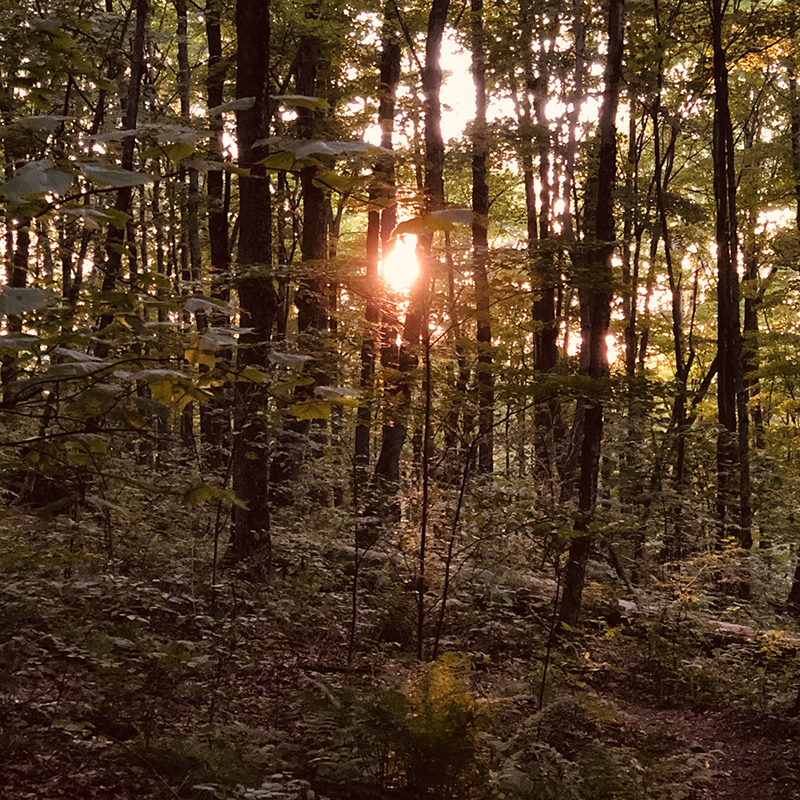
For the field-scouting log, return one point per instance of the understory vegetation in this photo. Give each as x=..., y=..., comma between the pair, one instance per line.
x=127, y=672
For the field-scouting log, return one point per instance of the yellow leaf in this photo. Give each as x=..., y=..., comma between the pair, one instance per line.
x=198, y=356
x=175, y=152
x=201, y=492
x=310, y=409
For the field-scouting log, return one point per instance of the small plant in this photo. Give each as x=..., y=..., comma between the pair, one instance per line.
x=193, y=765
x=421, y=742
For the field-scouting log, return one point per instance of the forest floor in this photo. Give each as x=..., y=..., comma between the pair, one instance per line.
x=117, y=687
x=748, y=755
x=749, y=758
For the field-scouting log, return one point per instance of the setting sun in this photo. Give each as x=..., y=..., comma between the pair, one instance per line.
x=400, y=268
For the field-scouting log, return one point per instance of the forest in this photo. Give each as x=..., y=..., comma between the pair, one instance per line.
x=400, y=399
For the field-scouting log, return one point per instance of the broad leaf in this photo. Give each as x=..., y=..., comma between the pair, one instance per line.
x=337, y=394
x=34, y=179
x=18, y=341
x=113, y=136
x=435, y=221
x=175, y=152
x=178, y=134
x=94, y=218
x=242, y=104
x=202, y=492
x=149, y=375
x=196, y=355
x=76, y=355
x=201, y=165
x=302, y=101
x=288, y=359
x=252, y=374
x=16, y=301
x=282, y=161
x=41, y=122
x=113, y=176
x=194, y=304
x=329, y=179
x=310, y=409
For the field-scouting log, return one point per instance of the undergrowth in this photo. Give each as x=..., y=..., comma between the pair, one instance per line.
x=131, y=676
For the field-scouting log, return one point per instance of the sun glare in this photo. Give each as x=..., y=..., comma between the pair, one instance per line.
x=400, y=268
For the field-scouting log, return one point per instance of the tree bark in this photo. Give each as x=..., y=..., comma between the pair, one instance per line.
x=383, y=501
x=215, y=420
x=115, y=240
x=595, y=297
x=733, y=457
x=794, y=131
x=381, y=222
x=312, y=314
x=480, y=247
x=257, y=297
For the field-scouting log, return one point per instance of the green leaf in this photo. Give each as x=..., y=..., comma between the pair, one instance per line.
x=310, y=409
x=95, y=401
x=242, y=104
x=329, y=179
x=203, y=492
x=113, y=176
x=175, y=152
x=194, y=304
x=282, y=161
x=288, y=359
x=33, y=179
x=302, y=148
x=94, y=218
x=14, y=302
x=444, y=220
x=19, y=342
x=302, y=101
x=337, y=394
x=253, y=374
x=196, y=355
x=113, y=136
x=41, y=122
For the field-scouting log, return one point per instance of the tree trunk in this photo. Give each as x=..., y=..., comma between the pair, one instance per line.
x=312, y=314
x=215, y=421
x=733, y=457
x=387, y=469
x=480, y=247
x=794, y=129
x=257, y=297
x=19, y=237
x=190, y=218
x=115, y=239
x=595, y=296
x=379, y=228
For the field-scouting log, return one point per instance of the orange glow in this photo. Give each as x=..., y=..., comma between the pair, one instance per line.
x=401, y=267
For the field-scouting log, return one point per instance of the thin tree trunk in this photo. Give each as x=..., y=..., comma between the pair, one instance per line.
x=596, y=297
x=733, y=457
x=215, y=420
x=115, y=240
x=312, y=314
x=794, y=126
x=480, y=247
x=257, y=297
x=379, y=229
x=387, y=468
